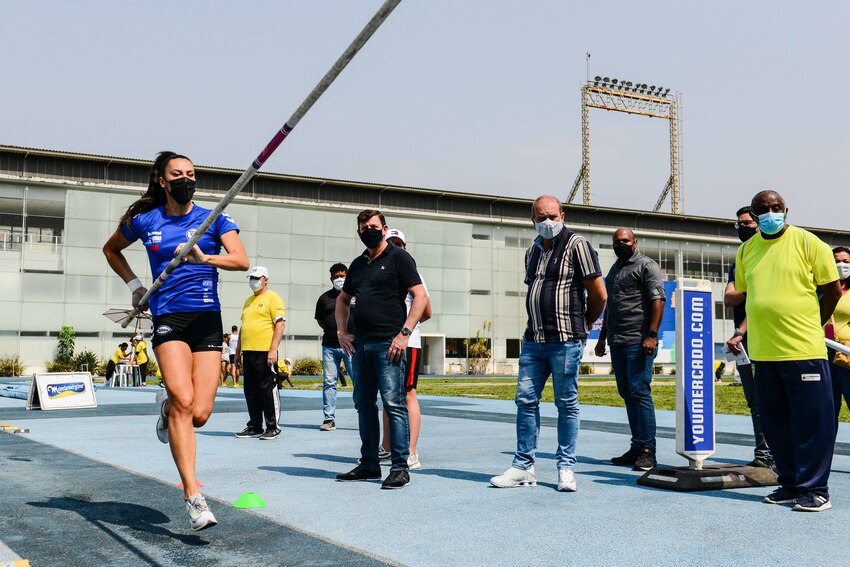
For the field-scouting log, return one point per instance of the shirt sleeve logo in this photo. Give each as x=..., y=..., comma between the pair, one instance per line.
x=153, y=240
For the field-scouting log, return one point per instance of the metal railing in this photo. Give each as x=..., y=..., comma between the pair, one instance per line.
x=30, y=243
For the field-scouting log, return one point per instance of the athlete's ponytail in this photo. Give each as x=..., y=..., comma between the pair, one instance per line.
x=155, y=195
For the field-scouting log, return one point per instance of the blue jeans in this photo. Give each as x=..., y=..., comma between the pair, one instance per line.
x=331, y=357
x=633, y=372
x=536, y=362
x=374, y=372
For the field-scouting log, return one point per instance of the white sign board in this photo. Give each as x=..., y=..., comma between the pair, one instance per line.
x=61, y=390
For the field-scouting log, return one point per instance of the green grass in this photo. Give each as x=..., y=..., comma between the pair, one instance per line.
x=597, y=391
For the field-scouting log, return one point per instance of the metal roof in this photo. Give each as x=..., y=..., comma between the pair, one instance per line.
x=132, y=171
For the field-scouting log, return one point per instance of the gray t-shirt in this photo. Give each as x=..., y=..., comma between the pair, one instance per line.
x=631, y=288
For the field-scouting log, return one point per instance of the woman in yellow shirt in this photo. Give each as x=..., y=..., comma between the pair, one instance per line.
x=841, y=326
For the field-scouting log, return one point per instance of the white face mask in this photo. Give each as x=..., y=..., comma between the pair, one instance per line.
x=843, y=270
x=255, y=284
x=338, y=283
x=549, y=228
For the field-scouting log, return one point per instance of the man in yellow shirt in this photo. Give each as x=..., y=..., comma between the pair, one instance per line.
x=782, y=269
x=263, y=320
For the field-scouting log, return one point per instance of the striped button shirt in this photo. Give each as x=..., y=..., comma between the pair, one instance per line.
x=556, y=299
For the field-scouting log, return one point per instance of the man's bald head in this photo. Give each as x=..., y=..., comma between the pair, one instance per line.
x=767, y=201
x=622, y=232
x=546, y=207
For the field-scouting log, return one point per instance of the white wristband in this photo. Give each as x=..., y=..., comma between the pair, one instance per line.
x=134, y=284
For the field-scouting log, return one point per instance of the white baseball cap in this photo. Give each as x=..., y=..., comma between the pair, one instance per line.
x=287, y=361
x=259, y=272
x=138, y=338
x=395, y=233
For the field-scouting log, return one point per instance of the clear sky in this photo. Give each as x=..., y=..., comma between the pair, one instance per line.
x=480, y=96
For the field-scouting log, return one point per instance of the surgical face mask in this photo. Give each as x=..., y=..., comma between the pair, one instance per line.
x=549, y=228
x=256, y=284
x=338, y=283
x=771, y=223
x=372, y=237
x=746, y=232
x=843, y=270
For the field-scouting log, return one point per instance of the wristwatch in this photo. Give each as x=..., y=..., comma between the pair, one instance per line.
x=651, y=335
x=405, y=331
x=738, y=333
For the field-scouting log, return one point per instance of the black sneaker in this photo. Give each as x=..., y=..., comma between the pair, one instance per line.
x=359, y=473
x=646, y=460
x=808, y=502
x=248, y=432
x=270, y=434
x=762, y=463
x=628, y=458
x=397, y=479
x=781, y=495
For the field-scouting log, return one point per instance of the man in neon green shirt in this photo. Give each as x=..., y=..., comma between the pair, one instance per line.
x=782, y=269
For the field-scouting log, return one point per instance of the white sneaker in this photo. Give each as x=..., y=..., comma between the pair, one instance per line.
x=413, y=462
x=199, y=513
x=566, y=480
x=514, y=477
x=162, y=422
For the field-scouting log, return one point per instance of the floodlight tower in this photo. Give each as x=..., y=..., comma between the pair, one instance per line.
x=630, y=98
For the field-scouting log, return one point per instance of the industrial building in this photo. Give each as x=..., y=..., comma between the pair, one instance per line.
x=57, y=209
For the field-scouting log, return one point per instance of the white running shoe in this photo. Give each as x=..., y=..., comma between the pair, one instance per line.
x=162, y=422
x=566, y=480
x=514, y=478
x=199, y=513
x=413, y=462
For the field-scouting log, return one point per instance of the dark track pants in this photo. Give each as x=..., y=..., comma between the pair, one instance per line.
x=798, y=419
x=261, y=393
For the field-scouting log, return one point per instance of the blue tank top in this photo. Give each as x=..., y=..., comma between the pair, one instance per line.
x=190, y=287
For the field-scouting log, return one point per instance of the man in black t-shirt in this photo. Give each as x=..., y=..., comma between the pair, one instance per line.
x=747, y=227
x=332, y=353
x=380, y=279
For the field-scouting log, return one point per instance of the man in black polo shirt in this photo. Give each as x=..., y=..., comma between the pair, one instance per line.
x=332, y=353
x=380, y=279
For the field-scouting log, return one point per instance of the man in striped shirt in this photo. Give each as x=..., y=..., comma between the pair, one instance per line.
x=566, y=294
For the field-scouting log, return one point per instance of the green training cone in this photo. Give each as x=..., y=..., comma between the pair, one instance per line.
x=249, y=500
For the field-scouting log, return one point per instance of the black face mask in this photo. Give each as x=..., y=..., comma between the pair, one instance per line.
x=372, y=237
x=623, y=251
x=746, y=232
x=182, y=189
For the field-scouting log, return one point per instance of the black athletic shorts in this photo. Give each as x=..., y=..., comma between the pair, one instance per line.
x=414, y=363
x=201, y=331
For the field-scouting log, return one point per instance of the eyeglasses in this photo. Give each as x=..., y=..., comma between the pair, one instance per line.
x=750, y=224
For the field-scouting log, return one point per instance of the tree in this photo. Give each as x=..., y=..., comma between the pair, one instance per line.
x=67, y=337
x=478, y=351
